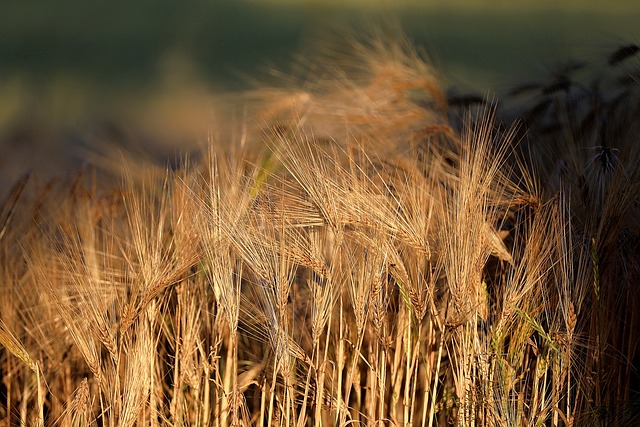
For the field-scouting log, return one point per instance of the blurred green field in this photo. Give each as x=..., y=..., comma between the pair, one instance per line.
x=67, y=65
x=124, y=44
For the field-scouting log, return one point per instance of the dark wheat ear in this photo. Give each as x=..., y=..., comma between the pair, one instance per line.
x=7, y=209
x=622, y=53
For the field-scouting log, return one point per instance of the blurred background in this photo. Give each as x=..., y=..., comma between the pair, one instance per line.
x=76, y=74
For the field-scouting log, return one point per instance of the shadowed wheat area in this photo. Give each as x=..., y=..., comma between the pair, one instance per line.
x=356, y=249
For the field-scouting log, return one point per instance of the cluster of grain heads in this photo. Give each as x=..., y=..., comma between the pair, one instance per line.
x=342, y=255
x=582, y=144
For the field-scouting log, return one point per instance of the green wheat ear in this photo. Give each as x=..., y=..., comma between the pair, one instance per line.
x=596, y=274
x=268, y=166
x=537, y=327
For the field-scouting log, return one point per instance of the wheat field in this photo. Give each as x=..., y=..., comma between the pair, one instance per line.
x=352, y=248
